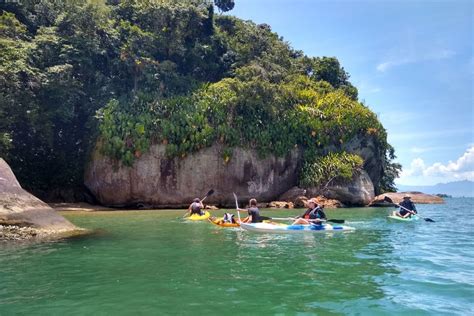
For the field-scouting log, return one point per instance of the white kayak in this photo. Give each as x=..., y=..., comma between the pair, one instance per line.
x=283, y=228
x=402, y=219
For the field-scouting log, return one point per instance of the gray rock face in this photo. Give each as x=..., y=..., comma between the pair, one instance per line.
x=157, y=180
x=20, y=208
x=369, y=150
x=358, y=192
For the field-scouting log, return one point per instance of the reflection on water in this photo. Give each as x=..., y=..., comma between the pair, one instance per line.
x=149, y=262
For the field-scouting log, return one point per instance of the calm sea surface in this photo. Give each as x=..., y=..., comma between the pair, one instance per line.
x=151, y=262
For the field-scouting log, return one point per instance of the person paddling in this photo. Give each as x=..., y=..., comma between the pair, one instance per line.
x=408, y=207
x=254, y=213
x=196, y=207
x=313, y=213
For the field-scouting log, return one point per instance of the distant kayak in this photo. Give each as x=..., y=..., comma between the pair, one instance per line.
x=220, y=222
x=196, y=217
x=283, y=228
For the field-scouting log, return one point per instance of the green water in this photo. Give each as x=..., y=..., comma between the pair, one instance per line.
x=150, y=262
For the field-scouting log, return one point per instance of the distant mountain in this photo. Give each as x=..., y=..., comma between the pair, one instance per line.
x=455, y=189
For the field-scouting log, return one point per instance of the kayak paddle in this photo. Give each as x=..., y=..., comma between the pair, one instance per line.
x=209, y=193
x=237, y=207
x=389, y=200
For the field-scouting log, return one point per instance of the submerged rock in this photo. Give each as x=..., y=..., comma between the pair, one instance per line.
x=20, y=210
x=416, y=197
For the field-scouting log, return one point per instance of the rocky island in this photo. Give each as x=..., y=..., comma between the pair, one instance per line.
x=155, y=103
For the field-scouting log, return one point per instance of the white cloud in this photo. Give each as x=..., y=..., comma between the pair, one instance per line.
x=462, y=168
x=430, y=56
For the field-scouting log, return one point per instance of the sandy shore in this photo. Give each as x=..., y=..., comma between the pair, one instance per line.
x=83, y=207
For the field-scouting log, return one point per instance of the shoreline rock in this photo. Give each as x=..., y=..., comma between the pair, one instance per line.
x=23, y=216
x=299, y=198
x=19, y=233
x=280, y=204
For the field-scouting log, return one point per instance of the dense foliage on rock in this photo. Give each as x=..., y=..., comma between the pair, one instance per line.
x=133, y=73
x=335, y=166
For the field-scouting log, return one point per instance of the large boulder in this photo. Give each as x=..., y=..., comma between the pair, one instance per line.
x=369, y=149
x=158, y=180
x=359, y=191
x=397, y=197
x=21, y=209
x=295, y=195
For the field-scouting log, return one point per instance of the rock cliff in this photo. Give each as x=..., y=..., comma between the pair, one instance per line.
x=159, y=181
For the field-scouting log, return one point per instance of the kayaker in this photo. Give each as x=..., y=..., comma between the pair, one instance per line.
x=228, y=218
x=254, y=213
x=196, y=207
x=407, y=208
x=312, y=214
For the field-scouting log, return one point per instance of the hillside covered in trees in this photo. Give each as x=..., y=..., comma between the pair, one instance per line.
x=129, y=74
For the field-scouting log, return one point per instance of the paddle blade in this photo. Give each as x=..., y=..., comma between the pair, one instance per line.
x=429, y=220
x=236, y=201
x=338, y=221
x=387, y=199
x=211, y=192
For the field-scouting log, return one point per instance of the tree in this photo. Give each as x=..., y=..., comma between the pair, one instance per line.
x=224, y=5
x=392, y=171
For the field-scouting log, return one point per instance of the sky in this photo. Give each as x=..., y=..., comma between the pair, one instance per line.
x=412, y=62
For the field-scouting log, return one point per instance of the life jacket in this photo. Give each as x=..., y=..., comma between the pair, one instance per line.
x=314, y=212
x=228, y=218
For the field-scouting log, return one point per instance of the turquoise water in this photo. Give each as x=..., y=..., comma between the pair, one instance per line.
x=151, y=262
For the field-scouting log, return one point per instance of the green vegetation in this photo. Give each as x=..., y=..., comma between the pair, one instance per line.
x=337, y=167
x=133, y=73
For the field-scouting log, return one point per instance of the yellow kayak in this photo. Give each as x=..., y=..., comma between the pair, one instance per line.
x=196, y=217
x=220, y=222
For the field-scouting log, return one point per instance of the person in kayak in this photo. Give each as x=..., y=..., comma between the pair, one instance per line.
x=312, y=214
x=228, y=218
x=196, y=207
x=254, y=213
x=407, y=208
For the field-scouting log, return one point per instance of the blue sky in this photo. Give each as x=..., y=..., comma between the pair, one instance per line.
x=412, y=62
